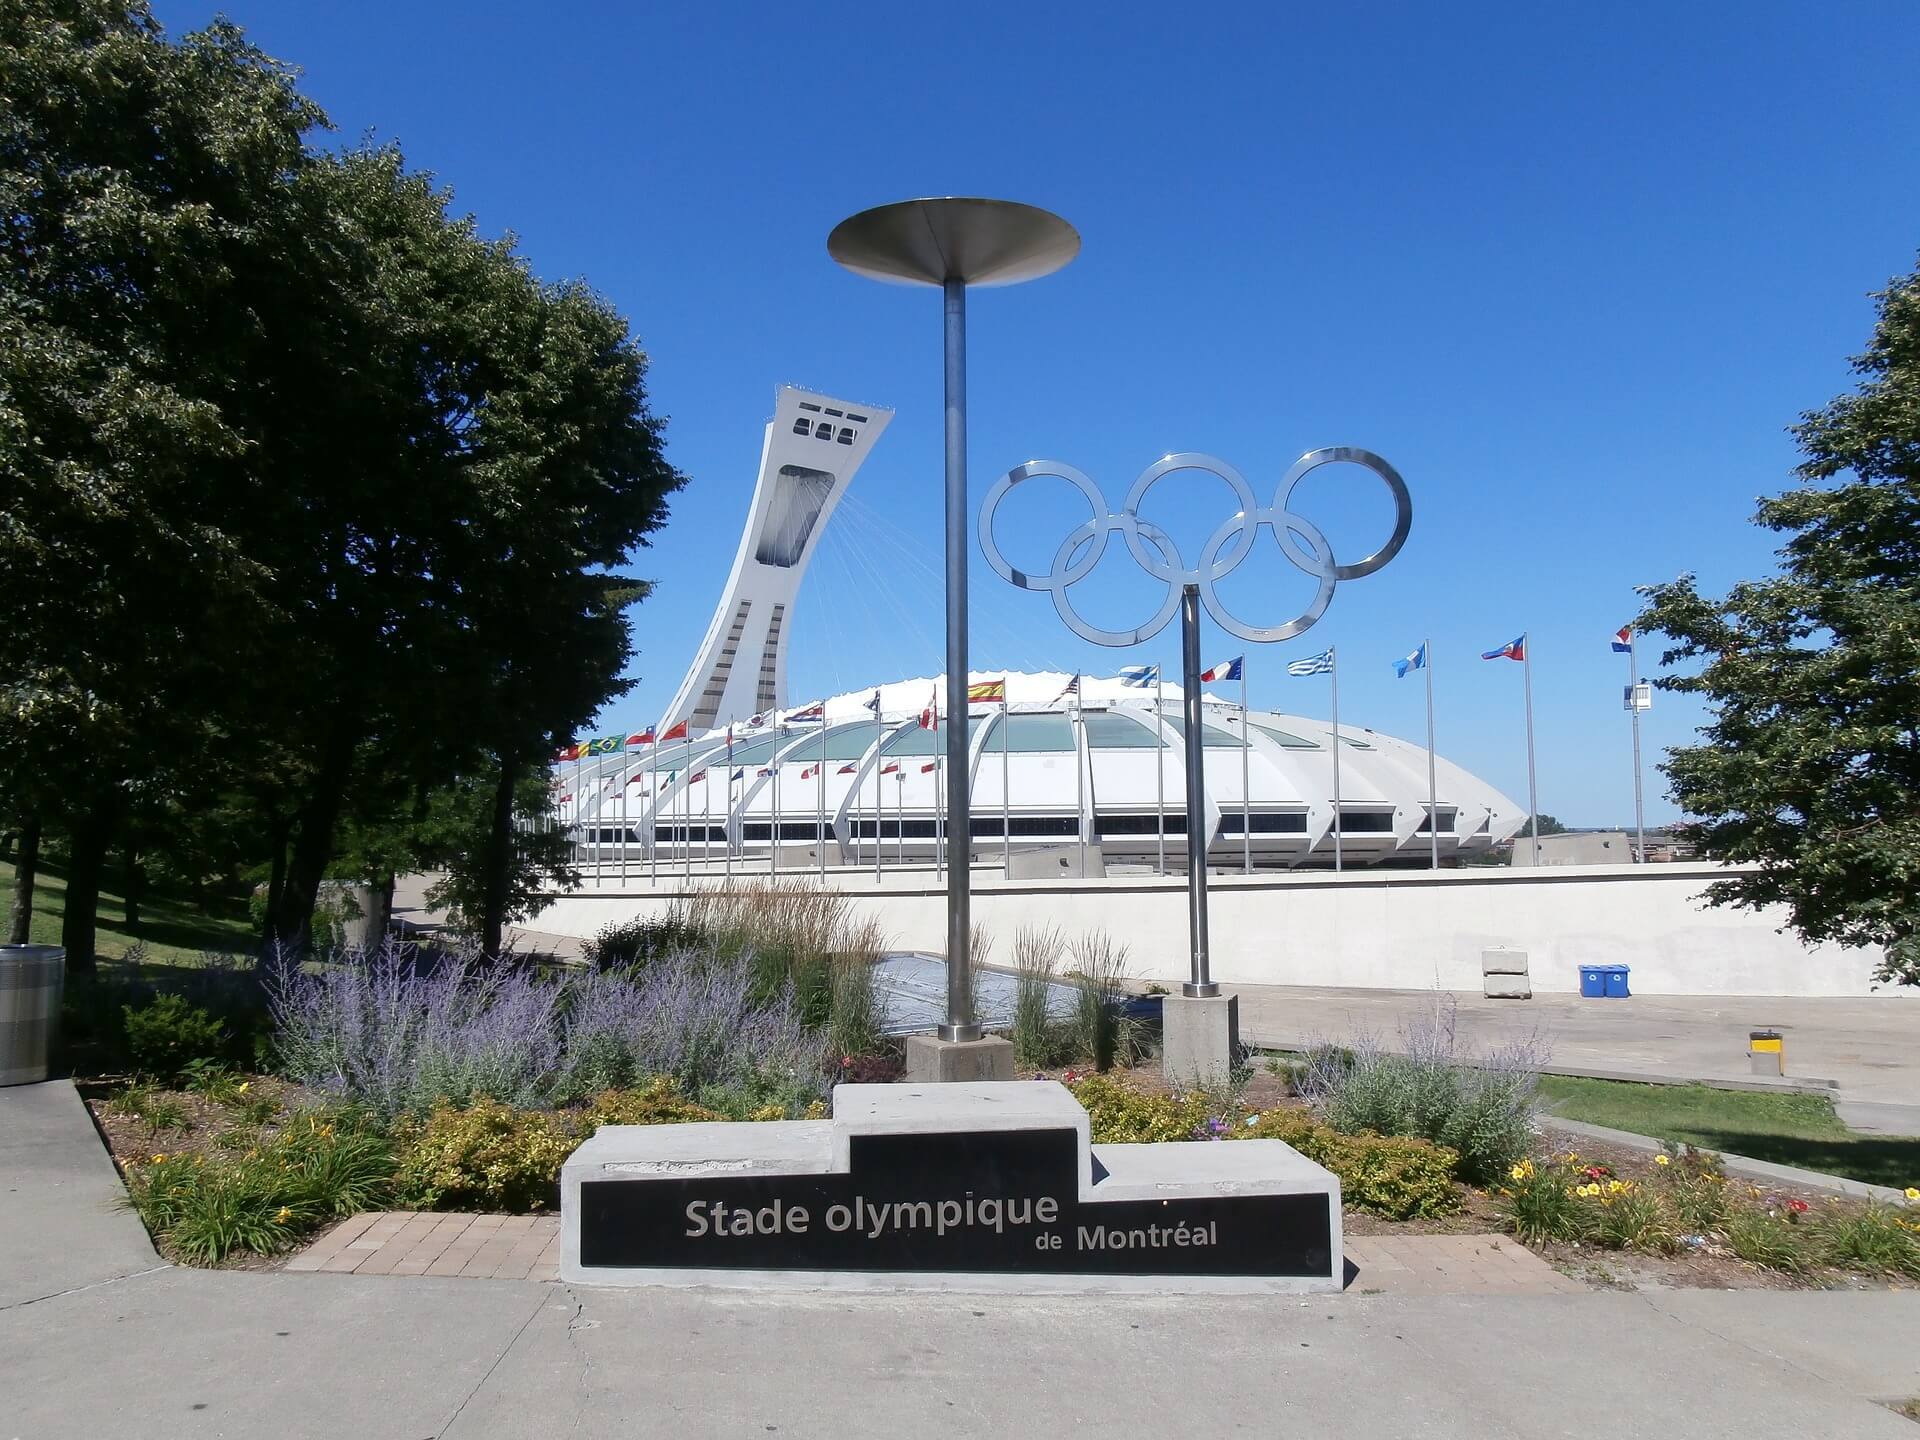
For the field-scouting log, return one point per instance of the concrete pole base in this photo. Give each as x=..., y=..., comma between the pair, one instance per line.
x=1201, y=1037
x=931, y=1060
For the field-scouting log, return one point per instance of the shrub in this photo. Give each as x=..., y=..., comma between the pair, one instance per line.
x=1539, y=1204
x=167, y=1035
x=1627, y=1216
x=485, y=1156
x=1395, y=1176
x=1876, y=1238
x=1120, y=1116
x=1761, y=1238
x=658, y=1103
x=318, y=1168
x=1480, y=1107
x=1099, y=970
x=631, y=944
x=1036, y=952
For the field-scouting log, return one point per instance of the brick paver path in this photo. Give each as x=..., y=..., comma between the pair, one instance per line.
x=527, y=1247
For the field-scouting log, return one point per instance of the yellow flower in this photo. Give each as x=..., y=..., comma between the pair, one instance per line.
x=243, y=1087
x=283, y=1216
x=1661, y=1160
x=1519, y=1172
x=1913, y=1192
x=158, y=1158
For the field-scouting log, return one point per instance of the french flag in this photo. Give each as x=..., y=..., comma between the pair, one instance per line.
x=1225, y=670
x=1623, y=640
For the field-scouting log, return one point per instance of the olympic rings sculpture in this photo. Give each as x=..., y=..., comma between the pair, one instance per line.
x=1156, y=553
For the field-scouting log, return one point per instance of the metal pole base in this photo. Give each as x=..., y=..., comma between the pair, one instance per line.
x=960, y=1033
x=1203, y=991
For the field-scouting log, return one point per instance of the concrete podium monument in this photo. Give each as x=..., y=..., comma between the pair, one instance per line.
x=981, y=1186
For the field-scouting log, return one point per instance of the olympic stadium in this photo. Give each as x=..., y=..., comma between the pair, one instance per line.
x=1069, y=774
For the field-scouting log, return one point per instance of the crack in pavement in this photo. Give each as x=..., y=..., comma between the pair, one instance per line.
x=81, y=1289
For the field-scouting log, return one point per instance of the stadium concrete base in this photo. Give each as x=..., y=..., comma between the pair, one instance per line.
x=1201, y=1036
x=933, y=1061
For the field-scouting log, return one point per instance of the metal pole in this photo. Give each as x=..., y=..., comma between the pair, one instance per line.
x=1533, y=795
x=1160, y=769
x=579, y=809
x=686, y=819
x=1333, y=671
x=1246, y=796
x=1006, y=803
x=1633, y=701
x=960, y=1021
x=1202, y=982
x=773, y=850
x=624, y=832
x=820, y=806
x=1078, y=730
x=653, y=810
x=939, y=824
x=1433, y=787
x=879, y=802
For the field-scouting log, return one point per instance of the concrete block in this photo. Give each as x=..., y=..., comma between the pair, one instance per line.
x=1507, y=987
x=1503, y=962
x=1057, y=862
x=1200, y=1038
x=931, y=1060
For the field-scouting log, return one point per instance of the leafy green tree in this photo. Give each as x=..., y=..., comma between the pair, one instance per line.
x=137, y=180
x=1810, y=767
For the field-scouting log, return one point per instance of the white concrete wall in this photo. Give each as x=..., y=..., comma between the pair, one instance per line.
x=1403, y=929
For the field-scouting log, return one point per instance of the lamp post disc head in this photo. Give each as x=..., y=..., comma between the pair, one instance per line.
x=964, y=238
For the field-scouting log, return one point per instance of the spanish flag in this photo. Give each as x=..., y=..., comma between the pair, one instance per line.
x=987, y=691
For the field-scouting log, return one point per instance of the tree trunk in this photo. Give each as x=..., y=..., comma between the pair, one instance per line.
x=20, y=923
x=499, y=861
x=313, y=847
x=130, y=885
x=382, y=909
x=277, y=827
x=87, y=843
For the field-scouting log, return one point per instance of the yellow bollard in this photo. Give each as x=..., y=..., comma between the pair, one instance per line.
x=1766, y=1052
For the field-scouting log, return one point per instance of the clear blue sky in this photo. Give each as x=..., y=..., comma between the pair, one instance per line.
x=1572, y=269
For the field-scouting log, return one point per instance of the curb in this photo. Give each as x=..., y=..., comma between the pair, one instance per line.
x=1735, y=1164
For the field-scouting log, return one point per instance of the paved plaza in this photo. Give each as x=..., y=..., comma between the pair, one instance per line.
x=101, y=1339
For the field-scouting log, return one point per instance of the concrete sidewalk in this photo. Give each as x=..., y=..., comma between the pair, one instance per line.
x=1869, y=1048
x=95, y=1340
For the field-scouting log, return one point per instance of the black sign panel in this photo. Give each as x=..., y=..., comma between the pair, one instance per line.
x=979, y=1201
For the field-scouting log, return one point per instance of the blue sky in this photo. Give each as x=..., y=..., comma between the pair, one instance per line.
x=1573, y=270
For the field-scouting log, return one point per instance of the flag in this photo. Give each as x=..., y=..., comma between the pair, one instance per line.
x=737, y=775
x=643, y=737
x=1137, y=676
x=1512, y=650
x=729, y=742
x=1416, y=661
x=678, y=732
x=757, y=722
x=930, y=717
x=697, y=775
x=605, y=745
x=763, y=772
x=929, y=767
x=891, y=768
x=807, y=774
x=873, y=704
x=815, y=711
x=1072, y=688
x=1623, y=640
x=563, y=799
x=565, y=753
x=1225, y=670
x=985, y=692
x=639, y=778
x=1321, y=664
x=844, y=770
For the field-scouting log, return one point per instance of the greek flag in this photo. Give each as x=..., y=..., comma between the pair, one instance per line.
x=1139, y=676
x=1416, y=661
x=1321, y=664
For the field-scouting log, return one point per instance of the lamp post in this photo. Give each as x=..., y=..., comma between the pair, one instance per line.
x=953, y=243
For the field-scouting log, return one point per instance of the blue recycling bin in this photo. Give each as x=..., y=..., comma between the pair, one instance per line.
x=1593, y=982
x=1617, y=982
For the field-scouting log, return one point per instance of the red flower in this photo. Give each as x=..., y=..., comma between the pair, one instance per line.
x=846, y=1062
x=1798, y=1207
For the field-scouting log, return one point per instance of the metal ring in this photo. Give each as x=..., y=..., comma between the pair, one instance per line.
x=1155, y=552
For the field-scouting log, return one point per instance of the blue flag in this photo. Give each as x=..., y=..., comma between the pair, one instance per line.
x=1416, y=661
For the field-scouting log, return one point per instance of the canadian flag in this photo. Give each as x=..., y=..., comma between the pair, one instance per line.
x=929, y=767
x=930, y=717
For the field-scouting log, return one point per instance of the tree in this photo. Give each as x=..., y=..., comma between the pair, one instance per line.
x=1547, y=825
x=1810, y=767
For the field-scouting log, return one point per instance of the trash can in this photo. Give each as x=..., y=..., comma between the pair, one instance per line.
x=31, y=978
x=1617, y=982
x=1593, y=982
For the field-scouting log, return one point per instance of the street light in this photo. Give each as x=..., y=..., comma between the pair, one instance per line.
x=954, y=242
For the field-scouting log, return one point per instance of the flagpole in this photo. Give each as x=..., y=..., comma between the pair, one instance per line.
x=879, y=799
x=579, y=809
x=624, y=832
x=1333, y=670
x=1079, y=776
x=1159, y=775
x=1433, y=787
x=899, y=818
x=1246, y=797
x=653, y=811
x=939, y=823
x=820, y=806
x=1533, y=796
x=773, y=850
x=1006, y=802
x=1633, y=708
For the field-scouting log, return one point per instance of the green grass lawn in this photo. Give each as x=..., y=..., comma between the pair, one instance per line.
x=171, y=928
x=1783, y=1128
